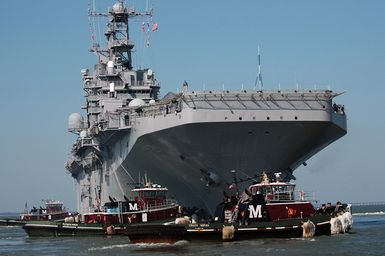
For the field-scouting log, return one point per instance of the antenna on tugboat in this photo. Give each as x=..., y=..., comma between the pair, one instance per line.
x=258, y=80
x=235, y=181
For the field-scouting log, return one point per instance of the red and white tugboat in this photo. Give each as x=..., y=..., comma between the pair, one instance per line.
x=52, y=210
x=265, y=209
x=270, y=201
x=150, y=205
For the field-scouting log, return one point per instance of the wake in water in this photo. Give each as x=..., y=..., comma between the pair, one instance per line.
x=9, y=227
x=311, y=239
x=368, y=213
x=109, y=247
x=143, y=246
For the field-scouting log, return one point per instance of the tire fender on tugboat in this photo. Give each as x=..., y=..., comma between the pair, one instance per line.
x=308, y=229
x=110, y=230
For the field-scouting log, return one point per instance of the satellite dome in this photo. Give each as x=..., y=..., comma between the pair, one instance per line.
x=83, y=134
x=152, y=102
x=75, y=122
x=110, y=67
x=135, y=103
x=118, y=7
x=112, y=87
x=110, y=64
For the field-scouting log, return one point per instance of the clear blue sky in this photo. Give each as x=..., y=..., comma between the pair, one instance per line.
x=44, y=44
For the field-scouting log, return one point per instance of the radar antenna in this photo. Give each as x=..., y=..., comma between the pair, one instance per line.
x=258, y=80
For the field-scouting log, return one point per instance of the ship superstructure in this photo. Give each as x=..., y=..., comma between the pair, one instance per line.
x=188, y=141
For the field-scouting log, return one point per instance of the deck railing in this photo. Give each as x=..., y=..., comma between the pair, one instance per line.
x=166, y=203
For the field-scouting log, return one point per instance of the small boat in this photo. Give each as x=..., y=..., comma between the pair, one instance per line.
x=52, y=210
x=150, y=205
x=265, y=209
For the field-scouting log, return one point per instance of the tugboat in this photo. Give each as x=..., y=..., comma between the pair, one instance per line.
x=265, y=209
x=150, y=205
x=269, y=201
x=52, y=210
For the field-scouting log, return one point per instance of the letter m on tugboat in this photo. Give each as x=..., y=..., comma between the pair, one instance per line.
x=255, y=211
x=133, y=206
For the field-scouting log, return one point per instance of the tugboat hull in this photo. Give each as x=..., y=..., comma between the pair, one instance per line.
x=216, y=231
x=52, y=229
x=161, y=232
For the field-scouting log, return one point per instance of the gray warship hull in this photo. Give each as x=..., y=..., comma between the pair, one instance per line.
x=198, y=144
x=193, y=151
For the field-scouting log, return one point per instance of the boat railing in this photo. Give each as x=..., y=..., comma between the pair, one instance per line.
x=301, y=100
x=260, y=100
x=155, y=111
x=291, y=196
x=282, y=196
x=144, y=83
x=84, y=142
x=301, y=195
x=166, y=203
x=94, y=97
x=128, y=117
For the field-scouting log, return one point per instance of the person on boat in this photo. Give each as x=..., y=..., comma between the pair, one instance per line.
x=322, y=209
x=329, y=208
x=243, y=208
x=335, y=107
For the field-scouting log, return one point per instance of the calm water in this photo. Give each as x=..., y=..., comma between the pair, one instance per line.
x=366, y=238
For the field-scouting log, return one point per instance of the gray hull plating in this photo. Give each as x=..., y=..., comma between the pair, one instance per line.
x=195, y=160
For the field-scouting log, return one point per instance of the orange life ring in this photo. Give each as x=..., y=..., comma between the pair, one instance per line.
x=290, y=212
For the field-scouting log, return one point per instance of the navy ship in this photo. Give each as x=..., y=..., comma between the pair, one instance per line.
x=196, y=143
